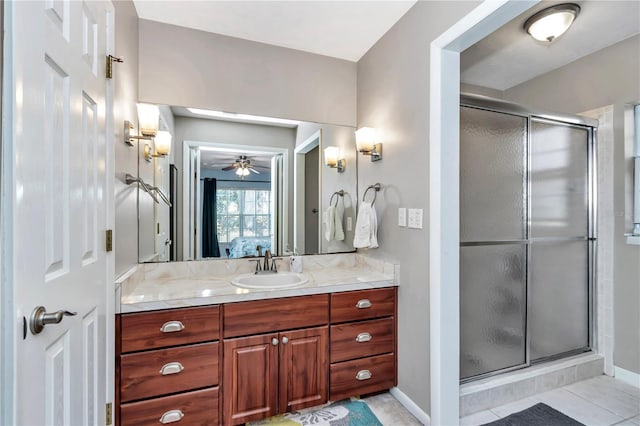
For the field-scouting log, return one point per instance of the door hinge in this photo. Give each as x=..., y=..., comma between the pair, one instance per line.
x=110, y=60
x=109, y=416
x=109, y=240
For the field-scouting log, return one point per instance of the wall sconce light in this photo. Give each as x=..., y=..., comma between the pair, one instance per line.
x=149, y=119
x=552, y=22
x=367, y=143
x=331, y=155
x=162, y=143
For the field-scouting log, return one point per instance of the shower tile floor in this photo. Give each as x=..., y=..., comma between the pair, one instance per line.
x=600, y=401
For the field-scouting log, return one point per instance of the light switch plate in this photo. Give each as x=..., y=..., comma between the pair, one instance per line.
x=349, y=223
x=402, y=216
x=415, y=218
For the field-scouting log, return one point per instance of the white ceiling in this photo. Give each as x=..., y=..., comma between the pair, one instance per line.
x=341, y=29
x=510, y=56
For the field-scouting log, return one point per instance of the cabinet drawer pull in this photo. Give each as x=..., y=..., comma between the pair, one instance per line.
x=171, y=416
x=171, y=368
x=172, y=326
x=364, y=303
x=363, y=375
x=363, y=337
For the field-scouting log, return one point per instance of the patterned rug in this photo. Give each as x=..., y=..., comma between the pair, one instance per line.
x=343, y=413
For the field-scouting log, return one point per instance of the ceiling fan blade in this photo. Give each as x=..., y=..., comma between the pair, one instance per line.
x=231, y=167
x=254, y=170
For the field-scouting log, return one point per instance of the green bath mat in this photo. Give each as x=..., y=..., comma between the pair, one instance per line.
x=343, y=413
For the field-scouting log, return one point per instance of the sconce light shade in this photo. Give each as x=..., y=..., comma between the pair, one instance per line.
x=366, y=137
x=331, y=159
x=552, y=22
x=162, y=143
x=367, y=142
x=331, y=156
x=149, y=119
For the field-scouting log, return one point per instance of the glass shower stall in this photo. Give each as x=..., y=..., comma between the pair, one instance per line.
x=527, y=236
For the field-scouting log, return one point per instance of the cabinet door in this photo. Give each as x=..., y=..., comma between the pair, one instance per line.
x=250, y=378
x=303, y=368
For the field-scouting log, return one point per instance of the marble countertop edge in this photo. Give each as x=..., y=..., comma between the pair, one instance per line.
x=248, y=295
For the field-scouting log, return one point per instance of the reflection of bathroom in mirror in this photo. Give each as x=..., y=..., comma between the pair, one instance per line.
x=238, y=188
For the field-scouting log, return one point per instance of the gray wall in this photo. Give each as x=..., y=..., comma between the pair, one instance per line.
x=185, y=67
x=203, y=130
x=125, y=81
x=393, y=95
x=608, y=77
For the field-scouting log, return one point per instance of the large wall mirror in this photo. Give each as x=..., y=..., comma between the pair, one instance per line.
x=239, y=185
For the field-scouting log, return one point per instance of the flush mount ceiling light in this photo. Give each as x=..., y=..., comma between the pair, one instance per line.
x=552, y=22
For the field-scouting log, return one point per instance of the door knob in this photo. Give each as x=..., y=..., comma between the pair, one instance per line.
x=314, y=210
x=40, y=318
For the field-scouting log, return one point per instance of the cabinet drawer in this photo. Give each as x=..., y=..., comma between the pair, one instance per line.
x=362, y=304
x=267, y=316
x=159, y=329
x=164, y=371
x=362, y=339
x=192, y=408
x=362, y=376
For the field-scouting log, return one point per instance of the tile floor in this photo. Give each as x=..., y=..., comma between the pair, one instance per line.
x=601, y=401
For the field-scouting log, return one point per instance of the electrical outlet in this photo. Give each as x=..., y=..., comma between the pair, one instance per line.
x=402, y=216
x=349, y=223
x=415, y=218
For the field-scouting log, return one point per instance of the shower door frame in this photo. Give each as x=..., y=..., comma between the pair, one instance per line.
x=591, y=126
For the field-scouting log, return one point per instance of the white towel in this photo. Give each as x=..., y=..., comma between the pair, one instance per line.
x=337, y=221
x=330, y=224
x=333, y=228
x=366, y=227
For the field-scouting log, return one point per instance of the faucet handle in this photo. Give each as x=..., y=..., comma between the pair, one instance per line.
x=258, y=267
x=274, y=268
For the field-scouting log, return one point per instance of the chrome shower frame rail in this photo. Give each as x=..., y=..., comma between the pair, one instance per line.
x=591, y=125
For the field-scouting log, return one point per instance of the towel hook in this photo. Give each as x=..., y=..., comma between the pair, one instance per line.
x=376, y=188
x=339, y=193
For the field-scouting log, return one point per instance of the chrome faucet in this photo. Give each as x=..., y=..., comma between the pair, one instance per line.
x=267, y=261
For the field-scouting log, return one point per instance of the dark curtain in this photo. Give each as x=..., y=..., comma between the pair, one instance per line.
x=210, y=247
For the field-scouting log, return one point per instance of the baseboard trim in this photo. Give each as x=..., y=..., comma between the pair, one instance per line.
x=411, y=406
x=627, y=376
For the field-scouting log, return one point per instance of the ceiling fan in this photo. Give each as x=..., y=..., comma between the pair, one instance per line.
x=242, y=166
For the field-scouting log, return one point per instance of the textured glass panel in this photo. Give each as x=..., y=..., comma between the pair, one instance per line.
x=492, y=308
x=558, y=181
x=559, y=297
x=491, y=175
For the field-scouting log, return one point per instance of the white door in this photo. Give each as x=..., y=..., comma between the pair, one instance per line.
x=57, y=108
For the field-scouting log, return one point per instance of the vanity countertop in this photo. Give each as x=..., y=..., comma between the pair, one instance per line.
x=184, y=284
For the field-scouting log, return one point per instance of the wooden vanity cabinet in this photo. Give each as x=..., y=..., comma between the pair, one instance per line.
x=276, y=355
x=363, y=342
x=278, y=371
x=168, y=367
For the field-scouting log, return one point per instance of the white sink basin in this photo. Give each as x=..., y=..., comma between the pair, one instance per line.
x=270, y=280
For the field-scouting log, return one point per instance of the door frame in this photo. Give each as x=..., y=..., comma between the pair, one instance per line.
x=313, y=141
x=444, y=190
x=188, y=190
